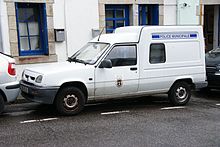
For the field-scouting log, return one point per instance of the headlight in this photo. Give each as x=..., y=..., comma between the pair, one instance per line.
x=39, y=79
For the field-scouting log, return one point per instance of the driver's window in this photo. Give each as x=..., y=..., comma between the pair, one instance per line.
x=123, y=55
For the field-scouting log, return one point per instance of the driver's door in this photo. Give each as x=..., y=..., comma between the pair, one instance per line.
x=122, y=78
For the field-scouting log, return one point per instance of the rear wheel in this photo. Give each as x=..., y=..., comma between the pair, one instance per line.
x=70, y=101
x=2, y=103
x=180, y=93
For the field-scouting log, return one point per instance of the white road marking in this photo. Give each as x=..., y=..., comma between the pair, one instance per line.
x=38, y=120
x=48, y=119
x=217, y=104
x=115, y=112
x=28, y=121
x=171, y=108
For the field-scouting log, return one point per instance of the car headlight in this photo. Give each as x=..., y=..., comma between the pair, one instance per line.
x=39, y=79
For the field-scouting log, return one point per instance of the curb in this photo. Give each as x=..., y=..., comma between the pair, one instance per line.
x=20, y=99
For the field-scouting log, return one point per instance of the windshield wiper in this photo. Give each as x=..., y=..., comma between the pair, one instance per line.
x=76, y=60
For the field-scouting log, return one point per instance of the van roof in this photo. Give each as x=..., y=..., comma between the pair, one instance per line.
x=117, y=38
x=130, y=34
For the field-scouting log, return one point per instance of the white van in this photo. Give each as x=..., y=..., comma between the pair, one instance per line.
x=133, y=61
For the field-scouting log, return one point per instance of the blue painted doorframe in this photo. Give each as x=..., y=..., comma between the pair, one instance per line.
x=148, y=14
x=155, y=14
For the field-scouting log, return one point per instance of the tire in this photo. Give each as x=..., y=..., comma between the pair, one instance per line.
x=2, y=104
x=69, y=101
x=180, y=93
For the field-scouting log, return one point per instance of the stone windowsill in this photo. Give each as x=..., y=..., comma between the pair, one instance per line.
x=35, y=59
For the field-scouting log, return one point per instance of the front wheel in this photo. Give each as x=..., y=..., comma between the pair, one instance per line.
x=180, y=93
x=2, y=104
x=69, y=101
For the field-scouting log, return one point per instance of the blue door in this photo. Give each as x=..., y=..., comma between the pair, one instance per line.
x=148, y=14
x=116, y=16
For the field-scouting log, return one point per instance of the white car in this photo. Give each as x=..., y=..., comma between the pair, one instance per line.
x=9, y=86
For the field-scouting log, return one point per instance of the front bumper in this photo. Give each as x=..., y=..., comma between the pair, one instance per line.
x=213, y=80
x=11, y=90
x=39, y=94
x=200, y=85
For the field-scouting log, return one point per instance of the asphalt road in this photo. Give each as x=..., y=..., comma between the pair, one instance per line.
x=149, y=121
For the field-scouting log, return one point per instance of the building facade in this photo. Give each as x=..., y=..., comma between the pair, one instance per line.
x=38, y=32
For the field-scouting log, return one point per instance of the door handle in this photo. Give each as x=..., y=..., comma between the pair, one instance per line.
x=133, y=68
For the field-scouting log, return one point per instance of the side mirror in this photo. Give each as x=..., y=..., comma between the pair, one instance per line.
x=106, y=64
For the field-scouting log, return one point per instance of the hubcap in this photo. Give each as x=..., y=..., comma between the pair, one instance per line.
x=181, y=93
x=70, y=101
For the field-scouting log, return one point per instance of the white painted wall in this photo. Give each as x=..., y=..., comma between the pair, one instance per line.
x=81, y=18
x=59, y=23
x=170, y=10
x=4, y=28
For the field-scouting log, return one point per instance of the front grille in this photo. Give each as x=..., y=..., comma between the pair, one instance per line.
x=27, y=76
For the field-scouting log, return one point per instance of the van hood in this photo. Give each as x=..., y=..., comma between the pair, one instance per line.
x=58, y=67
x=212, y=59
x=54, y=74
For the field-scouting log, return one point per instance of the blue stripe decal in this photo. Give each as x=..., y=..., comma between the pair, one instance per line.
x=171, y=36
x=155, y=36
x=193, y=35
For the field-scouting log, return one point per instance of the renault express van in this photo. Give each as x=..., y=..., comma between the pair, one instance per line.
x=133, y=61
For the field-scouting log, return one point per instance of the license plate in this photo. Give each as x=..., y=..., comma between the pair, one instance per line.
x=24, y=89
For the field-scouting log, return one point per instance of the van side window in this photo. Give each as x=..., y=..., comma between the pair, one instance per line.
x=123, y=55
x=157, y=53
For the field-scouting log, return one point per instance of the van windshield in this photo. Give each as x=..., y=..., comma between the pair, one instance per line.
x=90, y=53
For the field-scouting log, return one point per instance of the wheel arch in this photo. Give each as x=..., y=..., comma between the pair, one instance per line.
x=76, y=84
x=187, y=80
x=3, y=95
